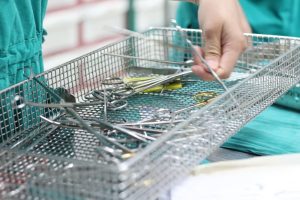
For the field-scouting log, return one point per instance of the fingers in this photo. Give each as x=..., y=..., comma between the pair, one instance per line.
x=212, y=50
x=227, y=63
x=199, y=69
x=212, y=26
x=197, y=60
x=223, y=24
x=231, y=51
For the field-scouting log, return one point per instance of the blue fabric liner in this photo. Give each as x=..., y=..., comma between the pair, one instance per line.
x=274, y=131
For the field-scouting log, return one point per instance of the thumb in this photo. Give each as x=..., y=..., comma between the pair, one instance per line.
x=212, y=49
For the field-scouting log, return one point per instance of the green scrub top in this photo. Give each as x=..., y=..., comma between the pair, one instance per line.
x=277, y=129
x=21, y=37
x=280, y=17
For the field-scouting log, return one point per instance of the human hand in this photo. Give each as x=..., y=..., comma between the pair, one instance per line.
x=223, y=24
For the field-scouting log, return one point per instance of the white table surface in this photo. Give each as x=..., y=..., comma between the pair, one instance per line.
x=259, y=178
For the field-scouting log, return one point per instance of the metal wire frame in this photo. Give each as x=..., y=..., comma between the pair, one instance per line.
x=31, y=168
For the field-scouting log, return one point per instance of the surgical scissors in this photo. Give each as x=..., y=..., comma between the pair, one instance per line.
x=80, y=121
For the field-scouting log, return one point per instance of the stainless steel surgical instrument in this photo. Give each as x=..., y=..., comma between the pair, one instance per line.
x=82, y=123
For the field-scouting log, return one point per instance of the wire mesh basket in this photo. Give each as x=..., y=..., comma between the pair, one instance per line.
x=42, y=161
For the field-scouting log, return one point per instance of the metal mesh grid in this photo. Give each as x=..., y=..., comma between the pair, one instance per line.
x=69, y=167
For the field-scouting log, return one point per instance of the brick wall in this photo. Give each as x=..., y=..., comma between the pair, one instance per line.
x=76, y=27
